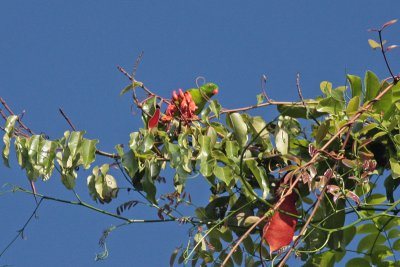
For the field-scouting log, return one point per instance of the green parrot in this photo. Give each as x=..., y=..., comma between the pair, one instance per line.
x=202, y=94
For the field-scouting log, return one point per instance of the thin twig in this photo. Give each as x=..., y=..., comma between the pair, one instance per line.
x=18, y=119
x=67, y=119
x=299, y=89
x=21, y=231
x=263, y=87
x=395, y=79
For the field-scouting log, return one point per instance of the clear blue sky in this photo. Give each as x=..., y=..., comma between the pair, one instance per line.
x=65, y=55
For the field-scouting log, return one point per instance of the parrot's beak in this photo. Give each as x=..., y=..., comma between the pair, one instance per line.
x=215, y=91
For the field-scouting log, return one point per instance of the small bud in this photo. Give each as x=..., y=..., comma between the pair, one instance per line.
x=181, y=95
x=174, y=95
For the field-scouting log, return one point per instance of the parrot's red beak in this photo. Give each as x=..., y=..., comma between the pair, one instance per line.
x=215, y=91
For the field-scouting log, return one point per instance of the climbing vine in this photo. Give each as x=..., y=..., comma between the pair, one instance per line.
x=305, y=183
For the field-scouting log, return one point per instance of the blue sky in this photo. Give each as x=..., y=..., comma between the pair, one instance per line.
x=54, y=54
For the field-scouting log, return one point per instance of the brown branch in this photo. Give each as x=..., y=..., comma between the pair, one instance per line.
x=67, y=119
x=242, y=238
x=3, y=102
x=98, y=152
x=264, y=105
x=140, y=84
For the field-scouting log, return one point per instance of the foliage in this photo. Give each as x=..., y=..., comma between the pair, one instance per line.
x=305, y=182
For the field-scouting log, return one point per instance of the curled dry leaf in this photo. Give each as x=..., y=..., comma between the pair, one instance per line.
x=279, y=231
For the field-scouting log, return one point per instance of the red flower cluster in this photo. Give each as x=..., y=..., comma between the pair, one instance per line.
x=182, y=106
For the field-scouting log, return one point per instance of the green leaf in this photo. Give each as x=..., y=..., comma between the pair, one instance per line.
x=258, y=126
x=217, y=208
x=355, y=85
x=9, y=129
x=216, y=243
x=206, y=163
x=330, y=105
x=45, y=159
x=205, y=147
x=260, y=99
x=396, y=92
x=215, y=107
x=353, y=105
x=148, y=107
x=225, y=174
x=348, y=235
x=376, y=199
x=358, y=262
x=248, y=245
x=232, y=149
x=384, y=105
x=68, y=177
x=126, y=89
x=239, y=128
x=367, y=128
x=391, y=185
x=338, y=93
x=74, y=142
x=299, y=111
x=151, y=172
x=396, y=245
x=130, y=163
x=207, y=167
x=372, y=86
x=327, y=259
x=174, y=154
x=21, y=151
x=173, y=256
x=394, y=233
x=366, y=228
x=134, y=140
x=226, y=234
x=395, y=167
x=88, y=152
x=323, y=129
x=373, y=44
x=110, y=188
x=379, y=253
x=336, y=221
x=365, y=242
x=102, y=186
x=282, y=141
x=326, y=87
x=213, y=135
x=148, y=143
x=334, y=102
x=238, y=256
x=260, y=175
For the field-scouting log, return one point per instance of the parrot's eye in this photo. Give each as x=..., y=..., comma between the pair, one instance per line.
x=215, y=91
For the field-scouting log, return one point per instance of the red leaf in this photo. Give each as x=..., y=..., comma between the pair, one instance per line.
x=279, y=231
x=153, y=122
x=390, y=47
x=389, y=23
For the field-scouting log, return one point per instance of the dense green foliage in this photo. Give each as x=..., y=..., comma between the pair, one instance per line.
x=335, y=152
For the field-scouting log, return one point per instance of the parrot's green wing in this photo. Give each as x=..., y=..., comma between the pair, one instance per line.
x=202, y=94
